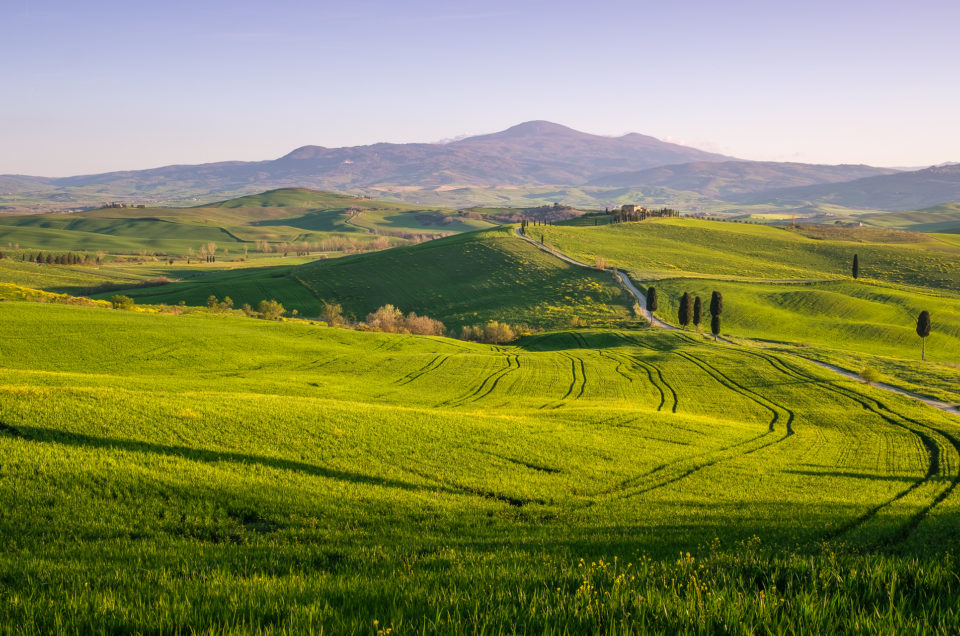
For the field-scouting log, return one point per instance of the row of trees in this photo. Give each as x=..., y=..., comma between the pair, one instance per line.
x=69, y=258
x=691, y=309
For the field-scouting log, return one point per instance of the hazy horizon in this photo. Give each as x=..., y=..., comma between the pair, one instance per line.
x=106, y=86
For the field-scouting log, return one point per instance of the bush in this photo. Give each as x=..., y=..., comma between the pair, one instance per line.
x=491, y=333
x=331, y=314
x=270, y=310
x=119, y=301
x=869, y=374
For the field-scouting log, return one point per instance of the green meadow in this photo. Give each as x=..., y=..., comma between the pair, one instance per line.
x=205, y=472
x=169, y=468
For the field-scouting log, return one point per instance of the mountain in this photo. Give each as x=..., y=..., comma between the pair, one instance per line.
x=724, y=178
x=533, y=153
x=900, y=191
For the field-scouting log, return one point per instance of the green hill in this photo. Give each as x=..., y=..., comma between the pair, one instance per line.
x=210, y=472
x=942, y=218
x=469, y=279
x=782, y=285
x=327, y=221
x=460, y=280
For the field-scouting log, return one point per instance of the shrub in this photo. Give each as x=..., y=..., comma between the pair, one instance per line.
x=270, y=310
x=119, y=301
x=869, y=374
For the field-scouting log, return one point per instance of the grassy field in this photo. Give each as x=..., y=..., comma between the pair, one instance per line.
x=460, y=280
x=470, y=279
x=288, y=216
x=207, y=472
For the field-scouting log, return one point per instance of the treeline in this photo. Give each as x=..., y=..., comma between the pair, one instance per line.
x=641, y=214
x=49, y=258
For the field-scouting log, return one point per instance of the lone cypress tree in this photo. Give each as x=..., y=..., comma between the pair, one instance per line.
x=697, y=312
x=651, y=299
x=856, y=266
x=715, y=326
x=923, y=330
x=686, y=308
x=716, y=304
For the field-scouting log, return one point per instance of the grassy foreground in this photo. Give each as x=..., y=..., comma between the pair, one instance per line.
x=209, y=472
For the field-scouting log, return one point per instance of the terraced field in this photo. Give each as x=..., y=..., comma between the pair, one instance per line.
x=208, y=472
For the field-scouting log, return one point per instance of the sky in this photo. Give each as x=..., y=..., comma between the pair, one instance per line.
x=95, y=86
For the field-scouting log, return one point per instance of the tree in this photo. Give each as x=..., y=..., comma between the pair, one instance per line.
x=716, y=304
x=856, y=266
x=119, y=301
x=715, y=326
x=651, y=299
x=697, y=312
x=332, y=314
x=923, y=330
x=686, y=309
x=270, y=310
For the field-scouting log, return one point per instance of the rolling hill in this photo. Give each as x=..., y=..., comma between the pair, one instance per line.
x=535, y=152
x=901, y=191
x=207, y=473
x=722, y=179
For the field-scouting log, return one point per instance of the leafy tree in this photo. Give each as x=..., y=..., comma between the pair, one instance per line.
x=332, y=314
x=856, y=266
x=697, y=312
x=715, y=326
x=686, y=309
x=651, y=299
x=923, y=330
x=270, y=310
x=119, y=301
x=716, y=304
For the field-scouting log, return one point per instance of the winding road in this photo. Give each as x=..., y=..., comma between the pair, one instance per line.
x=624, y=281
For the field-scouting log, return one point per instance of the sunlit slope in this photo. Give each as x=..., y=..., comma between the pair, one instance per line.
x=783, y=286
x=687, y=247
x=371, y=472
x=942, y=218
x=468, y=279
x=288, y=215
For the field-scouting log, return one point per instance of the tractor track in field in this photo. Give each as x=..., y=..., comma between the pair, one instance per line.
x=660, y=383
x=935, y=461
x=430, y=367
x=735, y=386
x=625, y=488
x=487, y=385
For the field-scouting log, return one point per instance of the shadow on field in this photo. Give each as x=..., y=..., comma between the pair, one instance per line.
x=575, y=339
x=43, y=435
x=853, y=475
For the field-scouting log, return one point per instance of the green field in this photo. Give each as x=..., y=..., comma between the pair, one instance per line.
x=173, y=469
x=459, y=280
x=208, y=472
x=290, y=217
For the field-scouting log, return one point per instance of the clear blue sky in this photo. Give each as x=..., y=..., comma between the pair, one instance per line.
x=94, y=86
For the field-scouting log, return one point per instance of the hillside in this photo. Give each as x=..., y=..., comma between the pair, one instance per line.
x=783, y=286
x=460, y=280
x=326, y=221
x=940, y=218
x=722, y=179
x=535, y=152
x=900, y=191
x=293, y=478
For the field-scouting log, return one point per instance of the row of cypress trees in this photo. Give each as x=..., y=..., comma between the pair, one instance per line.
x=691, y=309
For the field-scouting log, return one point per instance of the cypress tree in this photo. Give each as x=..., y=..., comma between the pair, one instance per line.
x=651, y=299
x=716, y=304
x=686, y=308
x=923, y=330
x=715, y=326
x=856, y=266
x=697, y=312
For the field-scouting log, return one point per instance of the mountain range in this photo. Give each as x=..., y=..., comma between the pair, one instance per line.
x=532, y=154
